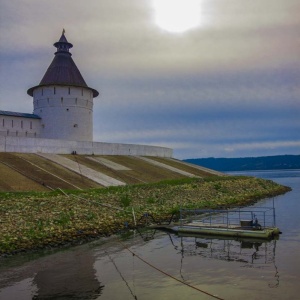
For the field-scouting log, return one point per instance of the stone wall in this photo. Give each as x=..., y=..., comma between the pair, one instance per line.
x=19, y=126
x=36, y=145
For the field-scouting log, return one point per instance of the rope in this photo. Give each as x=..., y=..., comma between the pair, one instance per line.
x=49, y=172
x=98, y=203
x=26, y=175
x=131, y=292
x=161, y=271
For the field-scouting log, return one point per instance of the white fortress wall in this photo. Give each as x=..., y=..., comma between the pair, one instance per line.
x=35, y=145
x=19, y=126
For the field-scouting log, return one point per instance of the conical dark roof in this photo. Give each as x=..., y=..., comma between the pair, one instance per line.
x=63, y=70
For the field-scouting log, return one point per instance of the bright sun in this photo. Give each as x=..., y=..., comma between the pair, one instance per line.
x=177, y=15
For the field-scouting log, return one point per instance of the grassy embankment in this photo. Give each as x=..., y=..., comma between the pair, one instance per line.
x=38, y=220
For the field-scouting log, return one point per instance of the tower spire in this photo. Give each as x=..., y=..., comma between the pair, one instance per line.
x=63, y=45
x=63, y=70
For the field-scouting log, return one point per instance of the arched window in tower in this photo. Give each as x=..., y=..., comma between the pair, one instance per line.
x=69, y=90
x=54, y=90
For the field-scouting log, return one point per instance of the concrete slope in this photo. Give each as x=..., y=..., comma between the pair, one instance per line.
x=198, y=167
x=82, y=170
x=109, y=164
x=162, y=165
x=12, y=180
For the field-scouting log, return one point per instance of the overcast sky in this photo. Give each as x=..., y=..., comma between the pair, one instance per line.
x=228, y=86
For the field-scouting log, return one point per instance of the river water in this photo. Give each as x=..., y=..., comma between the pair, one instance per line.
x=228, y=269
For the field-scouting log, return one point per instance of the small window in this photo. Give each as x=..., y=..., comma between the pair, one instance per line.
x=67, y=109
x=76, y=100
x=75, y=125
x=48, y=100
x=3, y=122
x=69, y=91
x=54, y=90
x=61, y=100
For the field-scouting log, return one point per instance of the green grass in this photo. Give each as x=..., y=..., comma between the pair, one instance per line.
x=36, y=219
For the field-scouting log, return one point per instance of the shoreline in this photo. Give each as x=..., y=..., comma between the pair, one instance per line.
x=33, y=222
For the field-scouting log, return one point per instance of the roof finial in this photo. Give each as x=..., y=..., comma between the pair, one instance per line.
x=63, y=32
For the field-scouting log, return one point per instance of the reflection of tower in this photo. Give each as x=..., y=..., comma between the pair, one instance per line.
x=63, y=100
x=71, y=277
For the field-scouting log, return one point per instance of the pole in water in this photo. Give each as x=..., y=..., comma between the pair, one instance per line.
x=274, y=216
x=134, y=219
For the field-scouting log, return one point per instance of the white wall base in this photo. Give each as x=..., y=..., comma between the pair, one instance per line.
x=38, y=145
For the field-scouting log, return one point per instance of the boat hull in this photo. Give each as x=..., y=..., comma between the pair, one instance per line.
x=264, y=233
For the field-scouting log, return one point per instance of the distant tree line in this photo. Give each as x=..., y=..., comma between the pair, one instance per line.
x=249, y=163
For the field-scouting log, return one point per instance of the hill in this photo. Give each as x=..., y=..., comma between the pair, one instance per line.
x=44, y=172
x=249, y=163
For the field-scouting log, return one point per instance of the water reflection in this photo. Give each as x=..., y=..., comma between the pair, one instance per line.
x=63, y=275
x=248, y=253
x=70, y=278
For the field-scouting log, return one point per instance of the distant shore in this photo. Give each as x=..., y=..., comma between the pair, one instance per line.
x=34, y=221
x=277, y=162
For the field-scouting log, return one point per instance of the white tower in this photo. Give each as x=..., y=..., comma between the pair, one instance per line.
x=63, y=100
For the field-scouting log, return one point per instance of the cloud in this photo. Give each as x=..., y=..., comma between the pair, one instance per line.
x=229, y=88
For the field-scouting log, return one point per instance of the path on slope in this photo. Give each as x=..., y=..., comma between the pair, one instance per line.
x=82, y=170
x=210, y=171
x=162, y=165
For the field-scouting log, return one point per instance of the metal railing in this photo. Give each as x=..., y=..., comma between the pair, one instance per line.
x=260, y=217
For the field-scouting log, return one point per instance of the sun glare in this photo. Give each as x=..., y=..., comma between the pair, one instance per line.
x=177, y=15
